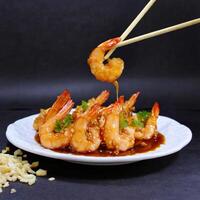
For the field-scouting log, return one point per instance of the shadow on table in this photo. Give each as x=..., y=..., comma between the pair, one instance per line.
x=62, y=170
x=138, y=169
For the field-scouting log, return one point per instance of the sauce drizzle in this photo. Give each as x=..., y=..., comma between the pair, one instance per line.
x=116, y=84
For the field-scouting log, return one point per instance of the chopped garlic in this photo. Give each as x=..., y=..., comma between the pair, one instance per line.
x=5, y=150
x=34, y=164
x=13, y=168
x=12, y=190
x=6, y=184
x=18, y=152
x=41, y=172
x=51, y=179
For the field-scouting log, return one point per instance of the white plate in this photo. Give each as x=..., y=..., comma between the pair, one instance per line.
x=21, y=134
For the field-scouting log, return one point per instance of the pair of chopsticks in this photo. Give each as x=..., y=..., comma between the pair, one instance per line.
x=124, y=42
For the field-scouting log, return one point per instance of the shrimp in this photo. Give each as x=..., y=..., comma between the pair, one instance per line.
x=110, y=71
x=150, y=128
x=86, y=136
x=100, y=99
x=48, y=137
x=114, y=137
x=46, y=114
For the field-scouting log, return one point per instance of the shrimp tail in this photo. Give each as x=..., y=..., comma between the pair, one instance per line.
x=109, y=109
x=65, y=110
x=93, y=112
x=109, y=44
x=61, y=100
x=131, y=102
x=120, y=100
x=134, y=97
x=103, y=97
x=155, y=109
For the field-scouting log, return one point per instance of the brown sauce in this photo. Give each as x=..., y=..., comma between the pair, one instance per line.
x=116, y=85
x=140, y=147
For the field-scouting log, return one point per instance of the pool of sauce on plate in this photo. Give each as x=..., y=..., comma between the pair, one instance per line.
x=140, y=147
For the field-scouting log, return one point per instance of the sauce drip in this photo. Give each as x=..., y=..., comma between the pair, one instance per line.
x=116, y=85
x=141, y=146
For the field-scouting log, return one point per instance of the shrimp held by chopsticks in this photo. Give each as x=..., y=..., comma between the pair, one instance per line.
x=110, y=71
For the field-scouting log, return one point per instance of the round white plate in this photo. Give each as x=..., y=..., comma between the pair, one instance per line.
x=21, y=134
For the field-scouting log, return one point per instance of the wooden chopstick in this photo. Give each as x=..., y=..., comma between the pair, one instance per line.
x=158, y=32
x=132, y=25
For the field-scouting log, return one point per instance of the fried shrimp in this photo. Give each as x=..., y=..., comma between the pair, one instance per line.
x=151, y=125
x=92, y=127
x=110, y=71
x=115, y=137
x=51, y=139
x=86, y=136
x=46, y=114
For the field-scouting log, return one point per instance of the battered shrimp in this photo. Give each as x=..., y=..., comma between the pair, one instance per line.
x=110, y=71
x=86, y=136
x=114, y=138
x=46, y=114
x=150, y=128
x=48, y=137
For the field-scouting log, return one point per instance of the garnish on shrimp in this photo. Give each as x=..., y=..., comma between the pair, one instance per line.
x=110, y=71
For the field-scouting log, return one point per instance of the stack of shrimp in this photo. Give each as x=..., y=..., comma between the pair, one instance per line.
x=94, y=125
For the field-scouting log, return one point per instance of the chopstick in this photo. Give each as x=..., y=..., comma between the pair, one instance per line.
x=132, y=25
x=159, y=32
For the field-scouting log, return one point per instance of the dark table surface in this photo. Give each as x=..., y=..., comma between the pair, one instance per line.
x=44, y=47
x=173, y=177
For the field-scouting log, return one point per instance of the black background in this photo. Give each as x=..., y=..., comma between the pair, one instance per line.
x=44, y=45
